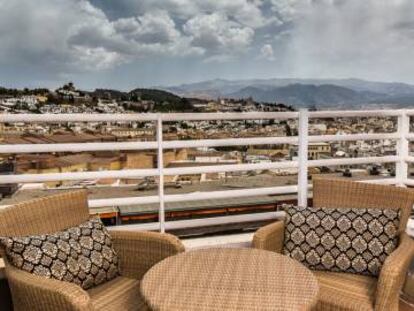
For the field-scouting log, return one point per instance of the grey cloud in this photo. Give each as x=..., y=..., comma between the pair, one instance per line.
x=267, y=52
x=353, y=38
x=251, y=38
x=152, y=27
x=215, y=31
x=39, y=36
x=246, y=12
x=151, y=33
x=74, y=35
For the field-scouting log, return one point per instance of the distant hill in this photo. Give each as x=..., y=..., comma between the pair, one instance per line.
x=155, y=95
x=110, y=93
x=19, y=92
x=346, y=93
x=305, y=95
x=158, y=96
x=164, y=101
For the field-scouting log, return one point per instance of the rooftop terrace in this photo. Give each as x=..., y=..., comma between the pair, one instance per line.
x=165, y=197
x=264, y=188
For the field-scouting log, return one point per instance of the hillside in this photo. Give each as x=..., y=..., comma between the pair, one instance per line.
x=303, y=94
x=164, y=101
x=19, y=92
x=344, y=93
x=110, y=93
x=157, y=96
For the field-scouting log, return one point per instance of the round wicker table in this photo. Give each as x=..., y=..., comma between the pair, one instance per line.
x=229, y=279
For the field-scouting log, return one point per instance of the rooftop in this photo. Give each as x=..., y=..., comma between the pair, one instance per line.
x=244, y=192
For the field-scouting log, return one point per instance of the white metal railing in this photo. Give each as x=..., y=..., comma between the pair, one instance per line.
x=401, y=159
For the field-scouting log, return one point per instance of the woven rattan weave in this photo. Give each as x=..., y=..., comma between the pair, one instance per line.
x=350, y=292
x=229, y=279
x=137, y=251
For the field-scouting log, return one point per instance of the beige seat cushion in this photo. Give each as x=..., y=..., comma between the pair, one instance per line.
x=119, y=294
x=345, y=292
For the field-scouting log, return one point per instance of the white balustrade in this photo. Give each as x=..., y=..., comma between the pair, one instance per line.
x=401, y=159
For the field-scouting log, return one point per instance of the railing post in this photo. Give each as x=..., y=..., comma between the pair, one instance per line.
x=402, y=148
x=160, y=157
x=303, y=157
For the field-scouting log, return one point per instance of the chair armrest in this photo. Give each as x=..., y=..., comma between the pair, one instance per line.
x=393, y=274
x=270, y=237
x=139, y=251
x=32, y=292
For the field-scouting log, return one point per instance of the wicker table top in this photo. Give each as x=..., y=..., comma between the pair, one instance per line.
x=229, y=279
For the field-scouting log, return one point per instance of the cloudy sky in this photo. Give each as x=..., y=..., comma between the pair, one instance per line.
x=128, y=43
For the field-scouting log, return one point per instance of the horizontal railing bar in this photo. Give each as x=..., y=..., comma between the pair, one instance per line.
x=133, y=173
x=352, y=137
x=409, y=112
x=77, y=117
x=228, y=116
x=152, y=226
x=203, y=222
x=193, y=223
x=409, y=159
x=410, y=136
x=352, y=161
x=77, y=147
x=355, y=113
x=80, y=117
x=32, y=178
x=230, y=142
x=229, y=168
x=409, y=182
x=193, y=196
x=148, y=145
x=94, y=203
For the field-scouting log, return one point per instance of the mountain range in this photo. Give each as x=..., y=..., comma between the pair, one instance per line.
x=319, y=93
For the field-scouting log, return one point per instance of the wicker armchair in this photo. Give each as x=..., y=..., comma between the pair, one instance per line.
x=138, y=251
x=342, y=291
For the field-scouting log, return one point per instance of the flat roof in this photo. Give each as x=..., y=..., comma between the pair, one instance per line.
x=198, y=205
x=240, y=182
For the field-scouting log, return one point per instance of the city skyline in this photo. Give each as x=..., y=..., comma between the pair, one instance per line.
x=125, y=44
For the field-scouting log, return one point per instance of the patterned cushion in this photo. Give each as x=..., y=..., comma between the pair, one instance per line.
x=353, y=240
x=82, y=255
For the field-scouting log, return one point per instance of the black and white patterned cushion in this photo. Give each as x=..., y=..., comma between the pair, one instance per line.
x=341, y=239
x=82, y=255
